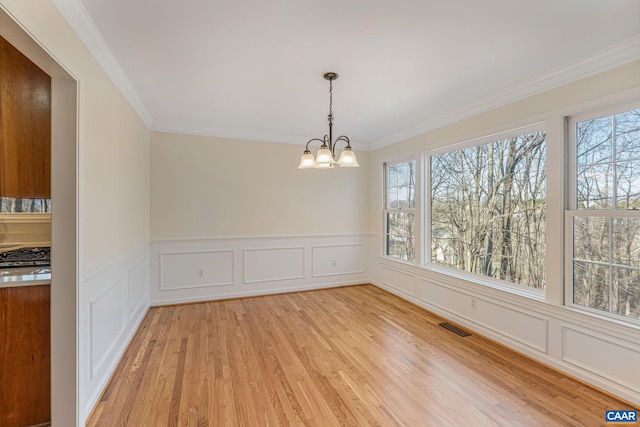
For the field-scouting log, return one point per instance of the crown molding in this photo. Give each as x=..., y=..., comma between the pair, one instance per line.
x=613, y=56
x=79, y=19
x=246, y=135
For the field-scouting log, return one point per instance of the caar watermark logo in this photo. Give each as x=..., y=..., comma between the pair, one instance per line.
x=621, y=416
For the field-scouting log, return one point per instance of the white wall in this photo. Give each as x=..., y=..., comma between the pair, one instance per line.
x=234, y=218
x=212, y=187
x=602, y=352
x=107, y=206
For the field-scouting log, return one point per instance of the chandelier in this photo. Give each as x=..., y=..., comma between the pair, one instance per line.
x=326, y=156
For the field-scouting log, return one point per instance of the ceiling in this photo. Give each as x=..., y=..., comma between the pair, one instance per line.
x=252, y=69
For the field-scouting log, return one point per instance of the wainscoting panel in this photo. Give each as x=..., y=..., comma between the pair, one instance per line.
x=113, y=302
x=527, y=328
x=585, y=349
x=331, y=260
x=138, y=284
x=248, y=266
x=399, y=280
x=524, y=327
x=197, y=269
x=273, y=264
x=108, y=319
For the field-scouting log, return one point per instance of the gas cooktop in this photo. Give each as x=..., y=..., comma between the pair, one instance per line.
x=26, y=257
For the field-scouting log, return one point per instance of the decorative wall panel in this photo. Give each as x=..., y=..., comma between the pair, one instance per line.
x=330, y=260
x=273, y=264
x=196, y=269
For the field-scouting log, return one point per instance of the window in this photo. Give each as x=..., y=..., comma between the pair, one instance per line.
x=11, y=205
x=399, y=212
x=604, y=214
x=487, y=209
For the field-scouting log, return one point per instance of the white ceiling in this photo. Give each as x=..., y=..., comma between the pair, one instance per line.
x=253, y=69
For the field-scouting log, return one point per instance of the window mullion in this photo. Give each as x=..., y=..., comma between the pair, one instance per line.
x=614, y=162
x=610, y=265
x=399, y=217
x=586, y=244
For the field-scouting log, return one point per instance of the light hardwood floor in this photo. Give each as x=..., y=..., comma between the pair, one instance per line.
x=355, y=356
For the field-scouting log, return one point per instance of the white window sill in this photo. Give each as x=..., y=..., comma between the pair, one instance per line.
x=515, y=289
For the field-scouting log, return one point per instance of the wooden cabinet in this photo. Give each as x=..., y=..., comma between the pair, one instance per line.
x=25, y=362
x=25, y=126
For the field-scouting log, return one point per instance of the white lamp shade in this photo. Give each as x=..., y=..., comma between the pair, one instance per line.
x=324, y=156
x=323, y=165
x=307, y=161
x=348, y=159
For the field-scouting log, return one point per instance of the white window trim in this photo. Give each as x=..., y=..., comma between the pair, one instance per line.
x=485, y=139
x=571, y=210
x=514, y=288
x=416, y=210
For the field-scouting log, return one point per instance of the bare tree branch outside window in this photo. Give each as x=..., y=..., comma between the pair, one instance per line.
x=400, y=203
x=606, y=229
x=488, y=209
x=11, y=205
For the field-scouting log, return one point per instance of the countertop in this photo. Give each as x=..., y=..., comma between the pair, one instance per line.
x=24, y=276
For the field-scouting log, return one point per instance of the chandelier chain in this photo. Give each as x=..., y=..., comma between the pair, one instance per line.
x=330, y=98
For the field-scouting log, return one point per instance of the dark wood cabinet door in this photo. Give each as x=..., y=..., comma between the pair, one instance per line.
x=25, y=362
x=25, y=126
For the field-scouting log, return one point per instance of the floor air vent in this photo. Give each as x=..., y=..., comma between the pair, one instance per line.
x=455, y=329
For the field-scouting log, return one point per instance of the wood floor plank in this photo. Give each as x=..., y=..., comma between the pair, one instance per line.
x=346, y=356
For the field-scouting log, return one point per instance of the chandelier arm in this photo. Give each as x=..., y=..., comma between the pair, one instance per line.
x=314, y=139
x=344, y=139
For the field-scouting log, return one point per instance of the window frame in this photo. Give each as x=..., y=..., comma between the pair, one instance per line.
x=504, y=285
x=571, y=209
x=416, y=210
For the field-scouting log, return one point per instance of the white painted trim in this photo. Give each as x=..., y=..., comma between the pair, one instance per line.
x=345, y=273
x=244, y=294
x=503, y=286
x=301, y=273
x=114, y=263
x=94, y=367
x=620, y=329
x=77, y=16
x=91, y=400
x=488, y=138
x=613, y=56
x=191, y=240
x=140, y=309
x=207, y=285
x=275, y=279
x=336, y=274
x=543, y=349
x=94, y=376
x=342, y=273
x=618, y=98
x=242, y=134
x=604, y=338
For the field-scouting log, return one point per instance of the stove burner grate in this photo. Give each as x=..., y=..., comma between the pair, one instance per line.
x=26, y=257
